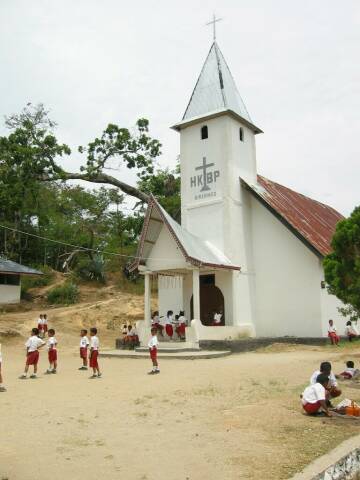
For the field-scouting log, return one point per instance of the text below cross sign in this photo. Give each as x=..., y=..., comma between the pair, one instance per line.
x=213, y=23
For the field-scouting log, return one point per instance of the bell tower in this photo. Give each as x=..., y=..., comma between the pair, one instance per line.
x=217, y=150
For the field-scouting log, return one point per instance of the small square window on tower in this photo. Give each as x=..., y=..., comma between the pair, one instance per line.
x=204, y=132
x=241, y=134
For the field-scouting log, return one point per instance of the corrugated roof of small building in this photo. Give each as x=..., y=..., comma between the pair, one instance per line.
x=10, y=267
x=314, y=221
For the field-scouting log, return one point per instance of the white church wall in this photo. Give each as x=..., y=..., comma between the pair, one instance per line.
x=223, y=280
x=165, y=254
x=9, y=294
x=170, y=294
x=187, y=293
x=329, y=309
x=287, y=280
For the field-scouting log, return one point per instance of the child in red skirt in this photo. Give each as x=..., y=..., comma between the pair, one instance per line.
x=169, y=329
x=332, y=334
x=84, y=345
x=153, y=343
x=40, y=324
x=45, y=324
x=94, y=351
x=314, y=397
x=52, y=352
x=2, y=388
x=33, y=346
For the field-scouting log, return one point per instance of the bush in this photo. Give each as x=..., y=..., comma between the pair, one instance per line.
x=36, y=281
x=64, y=294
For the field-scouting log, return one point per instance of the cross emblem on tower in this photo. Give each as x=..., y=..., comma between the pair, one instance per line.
x=204, y=168
x=213, y=23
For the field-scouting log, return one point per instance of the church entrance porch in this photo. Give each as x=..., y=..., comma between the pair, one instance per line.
x=199, y=293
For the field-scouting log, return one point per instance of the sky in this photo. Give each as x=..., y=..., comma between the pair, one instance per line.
x=296, y=65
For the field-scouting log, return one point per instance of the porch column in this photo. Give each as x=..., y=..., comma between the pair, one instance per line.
x=147, y=299
x=196, y=294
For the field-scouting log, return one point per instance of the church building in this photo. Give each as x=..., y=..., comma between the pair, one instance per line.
x=247, y=247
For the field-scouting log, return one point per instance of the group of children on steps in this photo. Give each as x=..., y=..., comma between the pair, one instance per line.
x=316, y=398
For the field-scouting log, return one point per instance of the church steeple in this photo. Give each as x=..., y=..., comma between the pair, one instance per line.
x=216, y=92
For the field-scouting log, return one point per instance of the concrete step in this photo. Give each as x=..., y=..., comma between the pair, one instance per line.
x=183, y=355
x=172, y=349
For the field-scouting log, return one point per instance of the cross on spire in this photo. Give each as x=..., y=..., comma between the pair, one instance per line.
x=213, y=23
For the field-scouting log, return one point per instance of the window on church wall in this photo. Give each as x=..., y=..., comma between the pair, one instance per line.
x=204, y=132
x=241, y=134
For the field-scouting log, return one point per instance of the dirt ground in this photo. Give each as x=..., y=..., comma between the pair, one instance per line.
x=237, y=417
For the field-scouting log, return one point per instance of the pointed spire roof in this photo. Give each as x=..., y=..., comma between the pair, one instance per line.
x=215, y=92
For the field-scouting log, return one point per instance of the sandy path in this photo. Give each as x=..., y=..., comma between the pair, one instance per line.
x=232, y=418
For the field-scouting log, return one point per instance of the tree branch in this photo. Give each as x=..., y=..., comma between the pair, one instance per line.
x=102, y=178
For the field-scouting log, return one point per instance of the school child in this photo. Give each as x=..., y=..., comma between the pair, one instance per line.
x=350, y=331
x=135, y=336
x=33, y=346
x=332, y=390
x=155, y=322
x=45, y=324
x=40, y=324
x=332, y=333
x=182, y=325
x=169, y=324
x=314, y=397
x=2, y=388
x=84, y=345
x=349, y=371
x=124, y=330
x=217, y=319
x=153, y=343
x=94, y=351
x=52, y=352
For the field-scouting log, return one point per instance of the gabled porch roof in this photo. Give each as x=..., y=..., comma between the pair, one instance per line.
x=196, y=251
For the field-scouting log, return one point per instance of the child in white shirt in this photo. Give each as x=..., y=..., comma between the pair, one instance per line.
x=33, y=346
x=94, y=351
x=332, y=333
x=52, y=352
x=332, y=390
x=2, y=388
x=153, y=343
x=169, y=324
x=314, y=397
x=349, y=371
x=84, y=345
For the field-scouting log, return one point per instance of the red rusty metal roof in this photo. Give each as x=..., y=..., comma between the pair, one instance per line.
x=315, y=222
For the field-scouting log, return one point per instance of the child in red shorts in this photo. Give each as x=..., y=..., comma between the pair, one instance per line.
x=2, y=388
x=94, y=351
x=153, y=343
x=52, y=352
x=40, y=324
x=33, y=346
x=84, y=345
x=45, y=324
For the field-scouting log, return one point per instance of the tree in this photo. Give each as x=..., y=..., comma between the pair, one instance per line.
x=165, y=186
x=31, y=151
x=342, y=266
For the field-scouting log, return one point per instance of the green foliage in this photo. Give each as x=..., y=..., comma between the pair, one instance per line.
x=92, y=269
x=165, y=186
x=342, y=266
x=137, y=150
x=65, y=294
